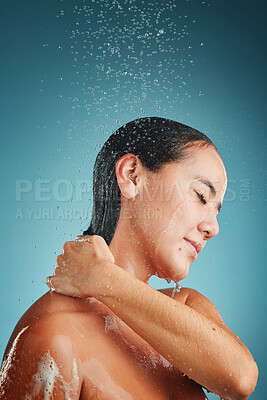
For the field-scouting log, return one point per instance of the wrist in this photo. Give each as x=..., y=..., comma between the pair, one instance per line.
x=105, y=278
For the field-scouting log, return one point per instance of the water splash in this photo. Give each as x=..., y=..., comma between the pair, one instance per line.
x=176, y=289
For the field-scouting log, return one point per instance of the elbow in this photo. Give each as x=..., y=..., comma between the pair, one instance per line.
x=246, y=384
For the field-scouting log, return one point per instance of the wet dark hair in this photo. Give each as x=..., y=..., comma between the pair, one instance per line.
x=155, y=141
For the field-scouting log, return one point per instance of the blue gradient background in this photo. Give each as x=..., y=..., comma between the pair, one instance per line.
x=74, y=71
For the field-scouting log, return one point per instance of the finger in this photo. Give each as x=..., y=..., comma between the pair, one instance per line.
x=66, y=247
x=58, y=271
x=49, y=283
x=61, y=286
x=61, y=261
x=85, y=238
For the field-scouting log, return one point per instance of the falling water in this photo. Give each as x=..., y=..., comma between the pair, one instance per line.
x=176, y=289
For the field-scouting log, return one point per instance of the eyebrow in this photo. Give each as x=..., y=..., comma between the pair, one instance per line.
x=211, y=187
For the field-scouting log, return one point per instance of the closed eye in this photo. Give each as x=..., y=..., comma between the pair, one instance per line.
x=201, y=197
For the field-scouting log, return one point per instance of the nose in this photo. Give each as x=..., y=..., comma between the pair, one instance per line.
x=209, y=226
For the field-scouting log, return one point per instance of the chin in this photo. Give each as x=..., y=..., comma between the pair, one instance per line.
x=182, y=276
x=175, y=274
x=171, y=263
x=180, y=269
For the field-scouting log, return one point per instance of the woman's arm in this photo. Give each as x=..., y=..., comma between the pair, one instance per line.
x=204, y=350
x=37, y=365
x=197, y=346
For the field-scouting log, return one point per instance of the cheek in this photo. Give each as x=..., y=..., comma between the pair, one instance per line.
x=175, y=219
x=169, y=231
x=174, y=225
x=164, y=221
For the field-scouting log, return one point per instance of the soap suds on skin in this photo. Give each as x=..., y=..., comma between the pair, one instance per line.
x=75, y=378
x=112, y=325
x=7, y=363
x=48, y=374
x=165, y=362
x=45, y=377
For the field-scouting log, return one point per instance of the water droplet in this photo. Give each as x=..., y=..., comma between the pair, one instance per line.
x=176, y=288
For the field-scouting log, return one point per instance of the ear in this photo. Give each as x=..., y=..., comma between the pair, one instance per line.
x=128, y=169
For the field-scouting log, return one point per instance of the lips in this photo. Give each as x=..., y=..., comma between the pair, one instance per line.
x=195, y=247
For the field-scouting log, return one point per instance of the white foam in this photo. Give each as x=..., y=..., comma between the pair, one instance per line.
x=7, y=363
x=75, y=378
x=110, y=324
x=46, y=376
x=93, y=300
x=165, y=362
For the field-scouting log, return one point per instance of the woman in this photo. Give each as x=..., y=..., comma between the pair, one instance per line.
x=158, y=187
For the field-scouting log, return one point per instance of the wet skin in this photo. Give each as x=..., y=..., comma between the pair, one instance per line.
x=113, y=361
x=159, y=210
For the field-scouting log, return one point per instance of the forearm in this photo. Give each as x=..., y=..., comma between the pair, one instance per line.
x=195, y=345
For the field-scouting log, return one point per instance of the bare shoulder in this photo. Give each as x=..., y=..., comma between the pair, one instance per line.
x=204, y=306
x=194, y=299
x=42, y=355
x=46, y=316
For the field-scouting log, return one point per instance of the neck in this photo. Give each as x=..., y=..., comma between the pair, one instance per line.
x=128, y=251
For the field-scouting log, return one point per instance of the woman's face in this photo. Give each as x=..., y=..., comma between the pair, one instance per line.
x=179, y=205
